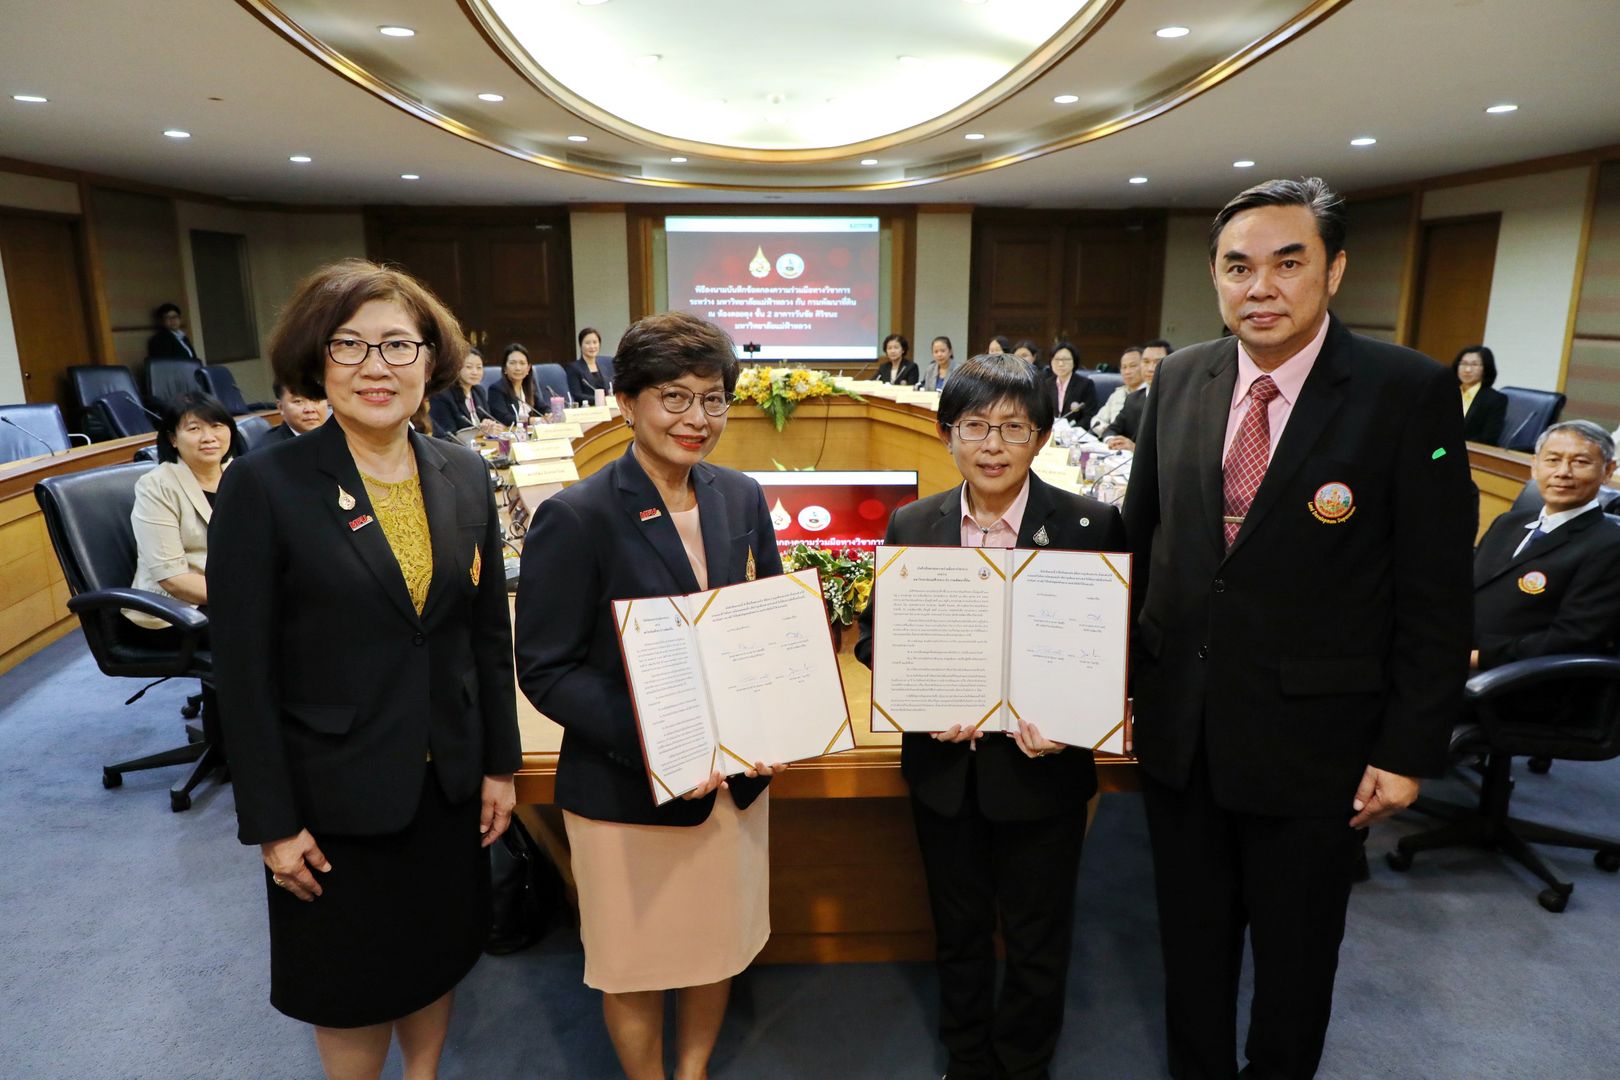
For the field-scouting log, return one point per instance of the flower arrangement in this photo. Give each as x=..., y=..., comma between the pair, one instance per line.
x=778, y=391
x=846, y=579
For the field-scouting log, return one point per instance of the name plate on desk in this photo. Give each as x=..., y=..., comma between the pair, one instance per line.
x=535, y=473
x=588, y=415
x=542, y=450
x=919, y=397
x=556, y=431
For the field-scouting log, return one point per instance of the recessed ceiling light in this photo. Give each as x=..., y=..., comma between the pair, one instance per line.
x=718, y=102
x=30, y=99
x=1505, y=107
x=491, y=97
x=973, y=136
x=1065, y=99
x=589, y=3
x=396, y=31
x=869, y=161
x=409, y=176
x=773, y=118
x=579, y=138
x=176, y=133
x=974, y=3
x=1138, y=179
x=648, y=59
x=1171, y=32
x=300, y=159
x=1364, y=140
x=677, y=161
x=908, y=59
x=1243, y=163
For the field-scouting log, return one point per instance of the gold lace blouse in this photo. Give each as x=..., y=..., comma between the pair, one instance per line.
x=403, y=517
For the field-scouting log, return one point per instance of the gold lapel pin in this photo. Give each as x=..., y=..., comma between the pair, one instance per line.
x=345, y=500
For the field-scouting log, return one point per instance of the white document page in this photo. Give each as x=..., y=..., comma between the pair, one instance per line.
x=666, y=685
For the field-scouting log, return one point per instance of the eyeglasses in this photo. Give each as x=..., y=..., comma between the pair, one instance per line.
x=1015, y=432
x=352, y=352
x=677, y=401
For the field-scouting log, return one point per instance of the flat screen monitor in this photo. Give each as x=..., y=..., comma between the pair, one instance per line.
x=834, y=510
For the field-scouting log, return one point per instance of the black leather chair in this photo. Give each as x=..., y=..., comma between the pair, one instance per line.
x=221, y=384
x=1555, y=707
x=121, y=416
x=253, y=429
x=87, y=517
x=92, y=381
x=1529, y=413
x=168, y=379
x=27, y=430
x=552, y=376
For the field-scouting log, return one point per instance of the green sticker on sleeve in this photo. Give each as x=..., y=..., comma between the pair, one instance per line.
x=1438, y=454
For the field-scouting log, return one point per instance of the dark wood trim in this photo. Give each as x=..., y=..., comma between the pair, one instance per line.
x=94, y=284
x=1588, y=212
x=1554, y=163
x=1406, y=312
x=140, y=187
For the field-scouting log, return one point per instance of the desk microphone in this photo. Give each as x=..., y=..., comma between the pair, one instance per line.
x=1106, y=473
x=53, y=451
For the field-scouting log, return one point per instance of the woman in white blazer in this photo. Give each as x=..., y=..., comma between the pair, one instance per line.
x=174, y=502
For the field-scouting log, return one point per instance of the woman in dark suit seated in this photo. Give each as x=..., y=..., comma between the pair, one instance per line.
x=1000, y=818
x=363, y=657
x=1074, y=395
x=463, y=404
x=673, y=897
x=1484, y=408
x=897, y=366
x=514, y=399
x=591, y=371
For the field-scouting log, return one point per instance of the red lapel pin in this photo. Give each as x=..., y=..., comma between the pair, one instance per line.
x=648, y=515
x=360, y=522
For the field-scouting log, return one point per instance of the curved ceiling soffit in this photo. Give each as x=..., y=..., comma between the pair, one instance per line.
x=1214, y=75
x=1069, y=38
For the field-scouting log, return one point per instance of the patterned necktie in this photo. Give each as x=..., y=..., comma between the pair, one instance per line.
x=1246, y=461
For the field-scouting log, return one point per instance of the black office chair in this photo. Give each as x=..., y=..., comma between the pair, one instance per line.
x=121, y=416
x=1552, y=706
x=28, y=430
x=552, y=378
x=1529, y=413
x=254, y=430
x=168, y=379
x=1106, y=383
x=87, y=517
x=92, y=381
x=221, y=384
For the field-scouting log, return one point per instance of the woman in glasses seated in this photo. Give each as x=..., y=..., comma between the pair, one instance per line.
x=673, y=897
x=1000, y=818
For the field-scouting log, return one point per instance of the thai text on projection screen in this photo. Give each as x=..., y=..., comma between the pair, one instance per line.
x=802, y=288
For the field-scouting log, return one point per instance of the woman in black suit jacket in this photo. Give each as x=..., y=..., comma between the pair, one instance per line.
x=514, y=399
x=671, y=897
x=361, y=647
x=463, y=404
x=897, y=366
x=1000, y=819
x=1484, y=408
x=1073, y=394
x=591, y=371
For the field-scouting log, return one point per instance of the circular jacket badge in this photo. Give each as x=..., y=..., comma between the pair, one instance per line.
x=1333, y=503
x=1534, y=583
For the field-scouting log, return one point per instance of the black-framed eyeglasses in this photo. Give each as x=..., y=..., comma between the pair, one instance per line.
x=352, y=352
x=677, y=400
x=1015, y=432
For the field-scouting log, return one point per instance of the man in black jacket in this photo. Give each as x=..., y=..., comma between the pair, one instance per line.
x=1300, y=515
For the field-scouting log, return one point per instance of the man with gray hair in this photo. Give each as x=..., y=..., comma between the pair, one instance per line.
x=1548, y=581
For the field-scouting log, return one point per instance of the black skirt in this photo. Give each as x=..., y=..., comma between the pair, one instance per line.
x=401, y=920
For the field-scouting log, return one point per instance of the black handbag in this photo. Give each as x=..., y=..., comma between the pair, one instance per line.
x=526, y=891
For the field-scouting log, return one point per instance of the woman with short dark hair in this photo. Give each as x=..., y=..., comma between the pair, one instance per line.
x=1484, y=407
x=1074, y=396
x=897, y=366
x=363, y=658
x=672, y=897
x=592, y=371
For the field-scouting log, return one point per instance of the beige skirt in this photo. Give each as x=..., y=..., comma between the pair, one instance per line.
x=663, y=907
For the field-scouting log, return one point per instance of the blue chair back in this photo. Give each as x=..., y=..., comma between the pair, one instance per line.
x=552, y=376
x=253, y=430
x=91, y=381
x=492, y=375
x=1529, y=413
x=167, y=379
x=604, y=364
x=121, y=415
x=220, y=383
x=1106, y=383
x=27, y=427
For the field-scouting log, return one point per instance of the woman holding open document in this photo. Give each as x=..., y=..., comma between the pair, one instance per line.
x=1000, y=817
x=672, y=896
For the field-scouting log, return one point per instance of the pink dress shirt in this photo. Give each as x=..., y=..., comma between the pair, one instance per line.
x=1289, y=377
x=1004, y=533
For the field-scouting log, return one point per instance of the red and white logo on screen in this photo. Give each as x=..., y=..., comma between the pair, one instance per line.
x=814, y=518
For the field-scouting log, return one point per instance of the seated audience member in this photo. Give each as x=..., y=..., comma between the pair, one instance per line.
x=940, y=369
x=170, y=341
x=897, y=366
x=998, y=345
x=515, y=398
x=1130, y=370
x=591, y=371
x=463, y=404
x=1031, y=352
x=1074, y=395
x=299, y=415
x=1121, y=434
x=1548, y=581
x=1484, y=408
x=174, y=502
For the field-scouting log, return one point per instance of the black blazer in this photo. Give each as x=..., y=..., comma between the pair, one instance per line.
x=585, y=548
x=907, y=374
x=1485, y=417
x=1573, y=607
x=1082, y=392
x=1129, y=421
x=448, y=410
x=1010, y=786
x=582, y=385
x=279, y=434
x=332, y=690
x=1320, y=643
x=503, y=403
x=167, y=345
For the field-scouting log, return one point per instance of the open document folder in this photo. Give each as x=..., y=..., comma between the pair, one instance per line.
x=984, y=637
x=726, y=678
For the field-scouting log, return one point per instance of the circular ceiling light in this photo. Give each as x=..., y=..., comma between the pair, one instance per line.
x=491, y=97
x=1243, y=163
x=1505, y=107
x=176, y=133
x=29, y=99
x=973, y=136
x=579, y=138
x=1065, y=99
x=869, y=161
x=396, y=31
x=409, y=176
x=1364, y=140
x=1138, y=179
x=300, y=159
x=1171, y=32
x=677, y=161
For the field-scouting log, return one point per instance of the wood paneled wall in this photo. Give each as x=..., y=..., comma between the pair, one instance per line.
x=1592, y=379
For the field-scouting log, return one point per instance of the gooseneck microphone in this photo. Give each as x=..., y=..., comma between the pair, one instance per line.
x=53, y=451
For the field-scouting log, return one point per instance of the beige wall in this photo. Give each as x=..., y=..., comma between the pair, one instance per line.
x=1536, y=253
x=140, y=266
x=944, y=279
x=21, y=192
x=1188, y=312
x=599, y=246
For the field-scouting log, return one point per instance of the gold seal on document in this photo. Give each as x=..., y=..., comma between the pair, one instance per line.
x=748, y=571
x=345, y=500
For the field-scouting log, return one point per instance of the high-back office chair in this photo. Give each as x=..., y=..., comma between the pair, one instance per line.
x=253, y=429
x=28, y=430
x=121, y=416
x=87, y=517
x=167, y=379
x=1106, y=383
x=1529, y=413
x=218, y=382
x=91, y=381
x=549, y=380
x=492, y=375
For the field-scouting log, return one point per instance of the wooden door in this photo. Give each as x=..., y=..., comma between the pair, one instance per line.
x=45, y=281
x=1457, y=263
x=1017, y=286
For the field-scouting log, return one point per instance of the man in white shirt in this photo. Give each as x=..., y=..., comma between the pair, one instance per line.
x=1130, y=370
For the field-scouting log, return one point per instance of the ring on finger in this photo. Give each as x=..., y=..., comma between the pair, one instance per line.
x=278, y=880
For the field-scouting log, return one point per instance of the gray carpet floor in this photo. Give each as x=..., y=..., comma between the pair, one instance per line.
x=133, y=943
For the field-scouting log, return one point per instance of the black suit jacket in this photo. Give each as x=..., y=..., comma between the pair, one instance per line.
x=503, y=403
x=907, y=375
x=448, y=410
x=332, y=690
x=166, y=345
x=279, y=434
x=1010, y=786
x=585, y=548
x=1485, y=417
x=1572, y=607
x=1315, y=646
x=582, y=385
x=1081, y=391
x=1129, y=421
